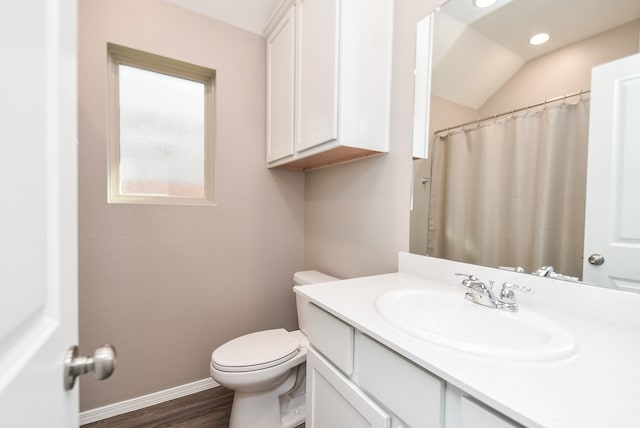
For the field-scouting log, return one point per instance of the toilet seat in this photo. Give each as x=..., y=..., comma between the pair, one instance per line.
x=256, y=351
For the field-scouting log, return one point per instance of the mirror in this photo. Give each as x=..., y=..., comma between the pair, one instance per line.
x=481, y=65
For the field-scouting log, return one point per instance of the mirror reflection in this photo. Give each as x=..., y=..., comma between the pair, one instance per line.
x=504, y=184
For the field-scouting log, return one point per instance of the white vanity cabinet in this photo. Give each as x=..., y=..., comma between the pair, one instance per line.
x=350, y=374
x=355, y=381
x=328, y=82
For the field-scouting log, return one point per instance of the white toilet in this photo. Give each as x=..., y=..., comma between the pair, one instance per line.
x=266, y=370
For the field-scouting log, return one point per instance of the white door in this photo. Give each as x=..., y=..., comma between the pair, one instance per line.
x=333, y=401
x=612, y=220
x=280, y=88
x=38, y=245
x=317, y=72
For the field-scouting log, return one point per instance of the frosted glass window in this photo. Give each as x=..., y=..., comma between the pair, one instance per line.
x=161, y=134
x=162, y=153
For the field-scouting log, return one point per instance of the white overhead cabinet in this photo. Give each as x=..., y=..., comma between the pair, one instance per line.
x=328, y=82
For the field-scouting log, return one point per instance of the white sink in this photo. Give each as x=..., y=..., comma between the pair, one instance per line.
x=448, y=319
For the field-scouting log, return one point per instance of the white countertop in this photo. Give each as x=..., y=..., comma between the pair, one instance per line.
x=597, y=387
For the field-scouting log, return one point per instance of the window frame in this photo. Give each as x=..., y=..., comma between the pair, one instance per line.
x=121, y=55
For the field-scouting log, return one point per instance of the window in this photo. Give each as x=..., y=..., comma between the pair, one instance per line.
x=161, y=129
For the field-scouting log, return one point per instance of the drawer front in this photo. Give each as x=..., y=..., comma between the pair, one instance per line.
x=332, y=337
x=404, y=388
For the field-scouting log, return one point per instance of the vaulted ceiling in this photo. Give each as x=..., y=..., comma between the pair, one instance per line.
x=489, y=45
x=250, y=15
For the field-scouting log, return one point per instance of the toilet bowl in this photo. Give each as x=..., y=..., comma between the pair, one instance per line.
x=266, y=370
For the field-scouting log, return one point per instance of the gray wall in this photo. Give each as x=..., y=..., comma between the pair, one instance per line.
x=357, y=214
x=167, y=284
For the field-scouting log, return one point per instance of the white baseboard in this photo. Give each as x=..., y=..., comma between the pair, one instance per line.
x=143, y=401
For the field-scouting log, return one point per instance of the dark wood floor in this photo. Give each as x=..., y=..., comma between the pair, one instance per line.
x=210, y=409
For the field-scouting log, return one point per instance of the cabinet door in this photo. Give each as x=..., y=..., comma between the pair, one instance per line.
x=333, y=401
x=462, y=411
x=317, y=72
x=280, y=88
x=474, y=415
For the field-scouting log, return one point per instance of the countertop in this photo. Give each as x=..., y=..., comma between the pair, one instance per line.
x=599, y=386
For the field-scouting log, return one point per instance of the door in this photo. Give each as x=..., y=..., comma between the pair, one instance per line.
x=38, y=249
x=280, y=88
x=317, y=73
x=612, y=219
x=333, y=401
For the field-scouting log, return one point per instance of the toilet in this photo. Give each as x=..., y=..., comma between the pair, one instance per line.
x=266, y=369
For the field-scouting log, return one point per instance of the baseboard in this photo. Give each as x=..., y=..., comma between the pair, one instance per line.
x=100, y=413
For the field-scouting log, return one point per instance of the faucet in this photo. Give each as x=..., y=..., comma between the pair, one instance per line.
x=544, y=271
x=478, y=292
x=549, y=272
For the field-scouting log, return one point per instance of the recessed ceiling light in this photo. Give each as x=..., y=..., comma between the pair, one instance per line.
x=539, y=39
x=484, y=3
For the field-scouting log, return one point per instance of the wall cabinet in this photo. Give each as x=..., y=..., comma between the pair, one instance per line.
x=328, y=82
x=356, y=381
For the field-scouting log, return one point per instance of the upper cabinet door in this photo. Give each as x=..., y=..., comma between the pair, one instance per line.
x=317, y=73
x=280, y=88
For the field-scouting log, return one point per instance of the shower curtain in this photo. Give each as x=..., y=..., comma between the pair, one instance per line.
x=511, y=192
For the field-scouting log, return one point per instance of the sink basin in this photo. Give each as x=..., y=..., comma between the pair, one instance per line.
x=448, y=319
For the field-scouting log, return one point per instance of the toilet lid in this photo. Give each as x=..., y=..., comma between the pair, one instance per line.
x=256, y=351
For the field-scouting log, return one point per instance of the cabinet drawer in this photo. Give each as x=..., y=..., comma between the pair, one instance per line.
x=332, y=337
x=404, y=388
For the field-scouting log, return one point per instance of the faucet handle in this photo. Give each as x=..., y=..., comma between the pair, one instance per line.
x=470, y=277
x=518, y=269
x=508, y=287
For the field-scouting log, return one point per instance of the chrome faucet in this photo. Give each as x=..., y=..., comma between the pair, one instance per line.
x=548, y=271
x=478, y=292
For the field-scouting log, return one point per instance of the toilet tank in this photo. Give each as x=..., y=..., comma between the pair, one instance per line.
x=300, y=279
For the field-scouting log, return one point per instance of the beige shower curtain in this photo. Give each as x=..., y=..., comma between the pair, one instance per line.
x=512, y=192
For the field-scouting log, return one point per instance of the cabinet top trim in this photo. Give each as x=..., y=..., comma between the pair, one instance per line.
x=277, y=15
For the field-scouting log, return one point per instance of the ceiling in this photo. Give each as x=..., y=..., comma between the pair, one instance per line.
x=492, y=42
x=250, y=15
x=473, y=45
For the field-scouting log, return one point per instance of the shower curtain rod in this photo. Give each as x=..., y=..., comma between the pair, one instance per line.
x=495, y=116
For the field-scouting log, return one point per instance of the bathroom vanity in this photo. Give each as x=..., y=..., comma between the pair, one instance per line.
x=383, y=354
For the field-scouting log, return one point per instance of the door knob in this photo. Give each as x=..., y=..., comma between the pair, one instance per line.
x=102, y=364
x=596, y=259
